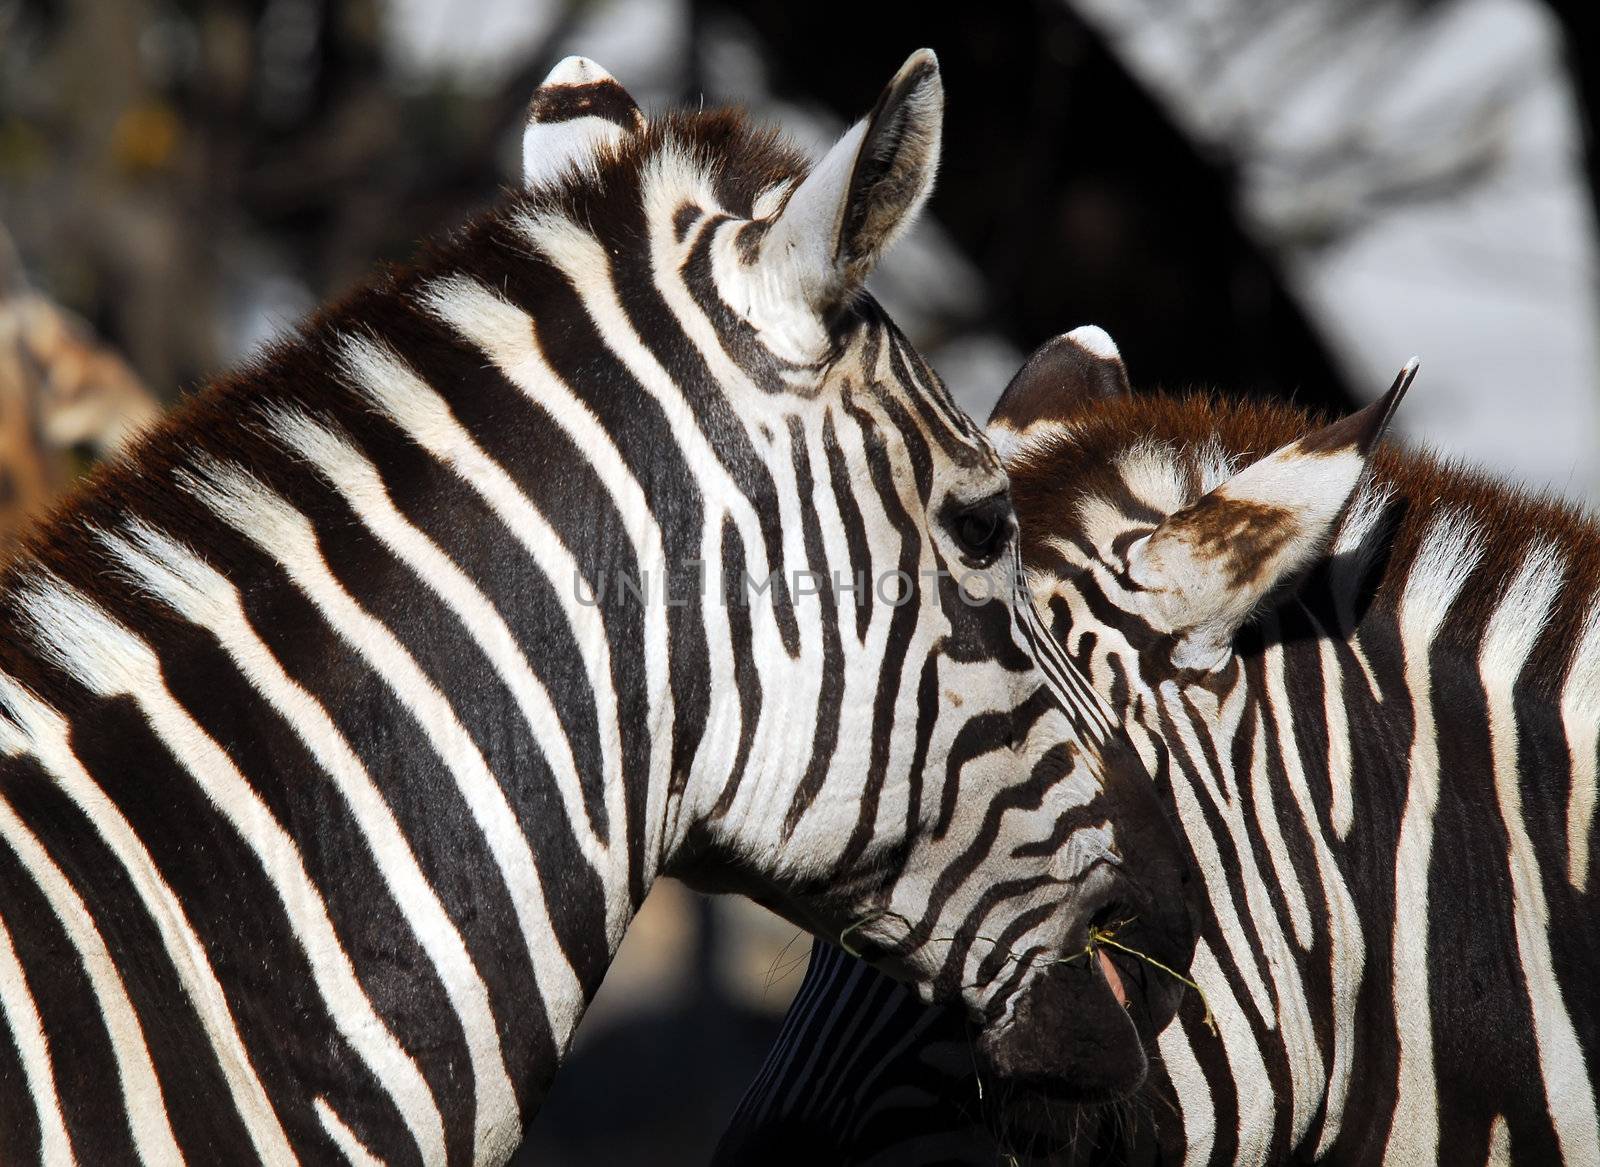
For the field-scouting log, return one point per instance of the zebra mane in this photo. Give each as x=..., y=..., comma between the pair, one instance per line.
x=681, y=159
x=1157, y=452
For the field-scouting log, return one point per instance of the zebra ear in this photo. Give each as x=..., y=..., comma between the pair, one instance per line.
x=864, y=193
x=1206, y=568
x=1076, y=368
x=575, y=113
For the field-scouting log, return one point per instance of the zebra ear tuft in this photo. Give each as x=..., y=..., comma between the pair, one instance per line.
x=1075, y=368
x=1207, y=567
x=864, y=193
x=576, y=112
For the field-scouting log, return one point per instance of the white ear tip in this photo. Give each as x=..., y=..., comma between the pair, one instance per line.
x=576, y=71
x=1096, y=341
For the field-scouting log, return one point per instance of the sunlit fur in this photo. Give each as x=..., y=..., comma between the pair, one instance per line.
x=347, y=721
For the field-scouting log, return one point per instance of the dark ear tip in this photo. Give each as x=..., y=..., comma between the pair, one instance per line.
x=579, y=87
x=1363, y=429
x=1384, y=408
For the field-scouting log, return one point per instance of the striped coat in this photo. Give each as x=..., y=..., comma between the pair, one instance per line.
x=1365, y=685
x=345, y=722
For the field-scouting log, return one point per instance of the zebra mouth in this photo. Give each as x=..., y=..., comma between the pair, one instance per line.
x=1082, y=1033
x=1108, y=969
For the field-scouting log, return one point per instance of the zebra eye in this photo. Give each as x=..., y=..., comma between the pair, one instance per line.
x=983, y=529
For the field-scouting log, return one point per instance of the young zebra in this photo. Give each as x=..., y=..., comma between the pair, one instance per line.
x=348, y=720
x=1372, y=702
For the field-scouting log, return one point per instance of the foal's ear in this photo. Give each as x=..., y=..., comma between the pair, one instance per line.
x=576, y=112
x=1208, y=566
x=862, y=196
x=1066, y=371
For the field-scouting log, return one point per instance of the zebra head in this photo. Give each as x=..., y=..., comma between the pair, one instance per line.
x=875, y=751
x=1149, y=555
x=1183, y=552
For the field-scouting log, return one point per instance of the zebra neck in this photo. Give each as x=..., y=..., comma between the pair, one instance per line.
x=360, y=644
x=1331, y=789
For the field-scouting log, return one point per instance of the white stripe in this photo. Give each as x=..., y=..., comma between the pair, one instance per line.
x=33, y=1051
x=427, y=419
x=287, y=535
x=1509, y=639
x=354, y=1152
x=44, y=734
x=507, y=336
x=200, y=594
x=1580, y=719
x=1450, y=550
x=1195, y=1109
x=1347, y=950
x=1349, y=559
x=142, y=1100
x=1256, y=1105
x=1499, y=1143
x=111, y=661
x=1341, y=805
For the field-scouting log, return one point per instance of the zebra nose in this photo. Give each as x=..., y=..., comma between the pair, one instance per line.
x=1068, y=1038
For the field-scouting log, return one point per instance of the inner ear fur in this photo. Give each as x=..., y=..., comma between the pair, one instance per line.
x=864, y=193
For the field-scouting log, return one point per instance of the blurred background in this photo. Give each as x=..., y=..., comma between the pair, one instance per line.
x=1265, y=198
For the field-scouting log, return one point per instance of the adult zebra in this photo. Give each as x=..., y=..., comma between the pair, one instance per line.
x=1373, y=705
x=347, y=722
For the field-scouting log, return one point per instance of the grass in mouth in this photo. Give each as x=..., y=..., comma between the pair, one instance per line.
x=1098, y=936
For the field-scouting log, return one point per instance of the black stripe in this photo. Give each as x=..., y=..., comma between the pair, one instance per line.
x=855, y=532
x=78, y=1044
x=600, y=99
x=746, y=677
x=830, y=696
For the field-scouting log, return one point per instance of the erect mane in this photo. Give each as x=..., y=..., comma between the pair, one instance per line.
x=718, y=148
x=720, y=151
x=742, y=159
x=1119, y=448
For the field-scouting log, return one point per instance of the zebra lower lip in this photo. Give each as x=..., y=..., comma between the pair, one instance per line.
x=1108, y=969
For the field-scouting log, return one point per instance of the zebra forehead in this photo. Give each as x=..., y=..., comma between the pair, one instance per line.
x=1414, y=526
x=1153, y=474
